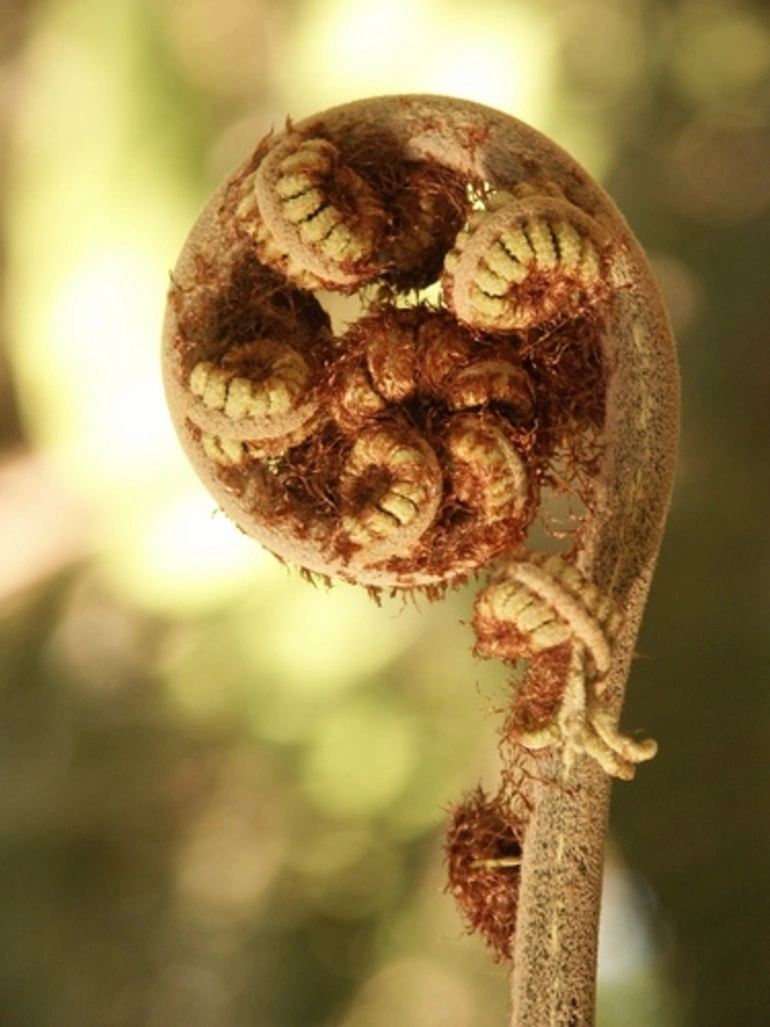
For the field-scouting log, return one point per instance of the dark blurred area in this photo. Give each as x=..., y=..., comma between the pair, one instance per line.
x=222, y=790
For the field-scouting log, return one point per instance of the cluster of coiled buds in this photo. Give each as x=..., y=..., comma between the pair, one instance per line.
x=409, y=449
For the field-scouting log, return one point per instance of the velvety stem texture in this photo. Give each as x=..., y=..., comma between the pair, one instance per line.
x=509, y=340
x=557, y=927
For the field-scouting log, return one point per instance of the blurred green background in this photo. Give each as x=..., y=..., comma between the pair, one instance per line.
x=222, y=790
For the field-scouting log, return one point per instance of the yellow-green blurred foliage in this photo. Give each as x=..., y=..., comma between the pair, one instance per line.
x=222, y=789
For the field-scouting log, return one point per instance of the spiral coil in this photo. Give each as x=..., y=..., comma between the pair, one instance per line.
x=410, y=449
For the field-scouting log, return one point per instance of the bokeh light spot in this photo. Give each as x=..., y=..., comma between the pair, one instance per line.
x=360, y=759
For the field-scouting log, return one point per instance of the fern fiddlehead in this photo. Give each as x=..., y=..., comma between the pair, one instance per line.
x=510, y=337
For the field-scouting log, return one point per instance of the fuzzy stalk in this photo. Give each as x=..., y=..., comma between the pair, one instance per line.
x=553, y=981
